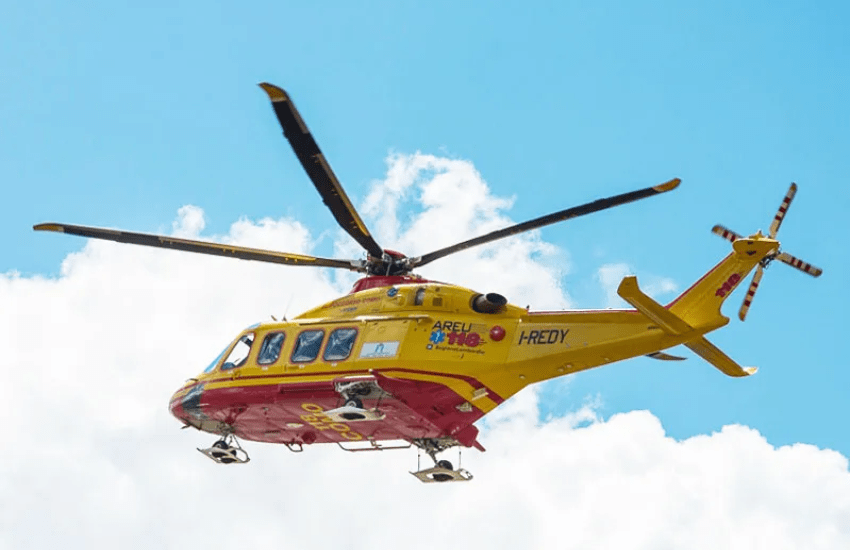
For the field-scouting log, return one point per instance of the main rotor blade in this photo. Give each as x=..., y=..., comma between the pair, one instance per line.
x=574, y=212
x=784, y=257
x=783, y=208
x=200, y=247
x=318, y=169
x=751, y=292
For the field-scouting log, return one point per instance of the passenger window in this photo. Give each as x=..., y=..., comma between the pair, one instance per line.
x=340, y=343
x=239, y=354
x=270, y=348
x=307, y=346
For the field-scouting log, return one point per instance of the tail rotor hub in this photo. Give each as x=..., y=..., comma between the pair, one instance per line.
x=783, y=257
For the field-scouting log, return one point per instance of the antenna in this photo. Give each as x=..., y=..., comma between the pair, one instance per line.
x=289, y=303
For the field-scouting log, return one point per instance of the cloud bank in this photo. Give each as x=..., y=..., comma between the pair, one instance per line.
x=91, y=457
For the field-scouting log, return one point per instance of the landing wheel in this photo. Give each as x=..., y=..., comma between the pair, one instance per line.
x=443, y=471
x=224, y=455
x=354, y=402
x=446, y=465
x=226, y=451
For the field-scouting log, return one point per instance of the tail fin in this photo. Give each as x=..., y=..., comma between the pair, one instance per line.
x=700, y=304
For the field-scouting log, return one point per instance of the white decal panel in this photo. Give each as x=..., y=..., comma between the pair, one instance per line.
x=378, y=350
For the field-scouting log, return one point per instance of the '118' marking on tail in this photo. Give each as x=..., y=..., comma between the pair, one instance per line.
x=727, y=286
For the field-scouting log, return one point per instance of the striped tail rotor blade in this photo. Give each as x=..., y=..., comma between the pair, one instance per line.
x=726, y=233
x=783, y=208
x=799, y=264
x=748, y=299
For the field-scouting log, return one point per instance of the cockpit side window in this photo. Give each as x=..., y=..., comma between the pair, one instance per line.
x=239, y=353
x=307, y=346
x=340, y=343
x=270, y=348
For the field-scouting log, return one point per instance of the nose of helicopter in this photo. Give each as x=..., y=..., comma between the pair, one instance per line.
x=185, y=404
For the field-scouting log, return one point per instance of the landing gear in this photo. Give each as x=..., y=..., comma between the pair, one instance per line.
x=226, y=451
x=354, y=402
x=356, y=388
x=353, y=391
x=443, y=470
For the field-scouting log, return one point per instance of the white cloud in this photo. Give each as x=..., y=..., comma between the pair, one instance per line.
x=456, y=204
x=91, y=457
x=189, y=223
x=659, y=286
x=610, y=275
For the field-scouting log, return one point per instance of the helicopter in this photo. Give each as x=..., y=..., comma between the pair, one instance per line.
x=403, y=361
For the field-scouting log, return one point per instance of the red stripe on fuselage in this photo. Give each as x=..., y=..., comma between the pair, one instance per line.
x=472, y=381
x=296, y=415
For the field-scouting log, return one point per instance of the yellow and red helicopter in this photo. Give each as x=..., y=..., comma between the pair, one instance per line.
x=404, y=361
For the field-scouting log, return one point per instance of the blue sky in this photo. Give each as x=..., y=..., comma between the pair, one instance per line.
x=118, y=116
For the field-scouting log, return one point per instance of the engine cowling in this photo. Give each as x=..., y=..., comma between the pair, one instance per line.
x=489, y=303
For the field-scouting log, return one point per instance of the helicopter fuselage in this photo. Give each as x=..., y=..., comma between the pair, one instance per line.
x=417, y=354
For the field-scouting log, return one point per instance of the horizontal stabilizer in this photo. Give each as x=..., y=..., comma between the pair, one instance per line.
x=674, y=325
x=669, y=323
x=720, y=360
x=661, y=356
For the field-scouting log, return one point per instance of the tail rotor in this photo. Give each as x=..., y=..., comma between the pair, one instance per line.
x=725, y=233
x=783, y=208
x=748, y=299
x=783, y=257
x=786, y=258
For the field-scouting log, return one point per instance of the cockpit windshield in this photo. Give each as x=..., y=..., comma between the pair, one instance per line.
x=215, y=361
x=239, y=354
